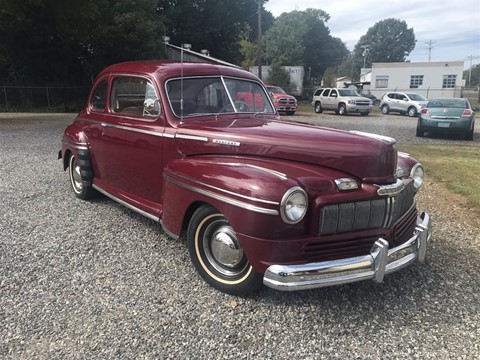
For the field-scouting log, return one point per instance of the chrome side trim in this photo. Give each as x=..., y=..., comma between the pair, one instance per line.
x=123, y=127
x=225, y=191
x=225, y=199
x=374, y=266
x=128, y=128
x=386, y=139
x=121, y=202
x=78, y=146
x=191, y=137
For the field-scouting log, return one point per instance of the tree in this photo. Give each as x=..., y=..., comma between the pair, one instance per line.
x=216, y=25
x=389, y=40
x=279, y=77
x=68, y=41
x=472, y=76
x=302, y=38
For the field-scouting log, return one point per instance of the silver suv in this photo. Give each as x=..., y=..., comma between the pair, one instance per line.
x=404, y=103
x=342, y=101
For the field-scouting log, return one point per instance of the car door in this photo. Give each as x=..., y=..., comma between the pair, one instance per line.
x=128, y=154
x=403, y=102
x=326, y=100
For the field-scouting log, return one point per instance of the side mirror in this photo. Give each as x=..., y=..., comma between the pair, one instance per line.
x=151, y=107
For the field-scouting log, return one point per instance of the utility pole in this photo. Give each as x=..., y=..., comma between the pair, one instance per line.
x=430, y=47
x=259, y=49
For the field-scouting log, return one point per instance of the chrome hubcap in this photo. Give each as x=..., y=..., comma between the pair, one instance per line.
x=76, y=176
x=222, y=249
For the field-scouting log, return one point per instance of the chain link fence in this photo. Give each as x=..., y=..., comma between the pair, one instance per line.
x=42, y=98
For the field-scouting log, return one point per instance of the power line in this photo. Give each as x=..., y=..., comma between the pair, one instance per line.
x=430, y=47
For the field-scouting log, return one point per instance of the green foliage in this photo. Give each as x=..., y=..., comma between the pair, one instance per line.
x=302, y=38
x=279, y=77
x=456, y=166
x=70, y=41
x=389, y=40
x=216, y=25
x=472, y=76
x=249, y=52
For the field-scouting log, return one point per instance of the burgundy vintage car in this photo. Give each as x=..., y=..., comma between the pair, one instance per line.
x=261, y=201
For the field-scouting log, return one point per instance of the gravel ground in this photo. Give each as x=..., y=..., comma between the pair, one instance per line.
x=93, y=280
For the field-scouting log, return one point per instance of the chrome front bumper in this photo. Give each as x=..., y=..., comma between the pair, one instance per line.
x=374, y=266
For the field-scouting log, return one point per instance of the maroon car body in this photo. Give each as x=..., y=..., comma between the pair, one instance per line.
x=261, y=200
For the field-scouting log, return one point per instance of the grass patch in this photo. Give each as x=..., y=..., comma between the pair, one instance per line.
x=456, y=166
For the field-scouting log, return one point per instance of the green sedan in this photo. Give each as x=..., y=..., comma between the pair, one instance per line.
x=449, y=115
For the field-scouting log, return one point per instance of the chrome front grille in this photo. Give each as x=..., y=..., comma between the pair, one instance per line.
x=286, y=101
x=364, y=215
x=362, y=102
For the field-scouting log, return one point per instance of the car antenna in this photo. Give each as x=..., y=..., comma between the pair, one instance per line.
x=184, y=46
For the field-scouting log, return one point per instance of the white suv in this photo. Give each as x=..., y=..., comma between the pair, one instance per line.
x=342, y=101
x=404, y=103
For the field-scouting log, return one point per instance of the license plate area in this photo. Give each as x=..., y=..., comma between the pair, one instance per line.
x=444, y=124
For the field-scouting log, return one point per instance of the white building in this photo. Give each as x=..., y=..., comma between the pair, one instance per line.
x=296, y=76
x=431, y=79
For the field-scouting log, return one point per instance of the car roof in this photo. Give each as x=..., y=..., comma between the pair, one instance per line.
x=172, y=68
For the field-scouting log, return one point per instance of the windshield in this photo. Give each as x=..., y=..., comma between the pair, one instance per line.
x=416, y=97
x=276, y=90
x=214, y=95
x=348, y=92
x=448, y=103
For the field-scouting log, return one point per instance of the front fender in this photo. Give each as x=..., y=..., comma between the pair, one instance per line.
x=248, y=192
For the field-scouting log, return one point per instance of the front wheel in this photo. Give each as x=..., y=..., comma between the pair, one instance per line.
x=79, y=188
x=217, y=254
x=342, y=109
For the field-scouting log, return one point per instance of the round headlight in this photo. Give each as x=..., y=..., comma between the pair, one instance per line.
x=294, y=205
x=417, y=175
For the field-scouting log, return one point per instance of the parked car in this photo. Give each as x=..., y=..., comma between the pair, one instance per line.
x=342, y=101
x=260, y=200
x=451, y=116
x=404, y=103
x=283, y=102
x=372, y=98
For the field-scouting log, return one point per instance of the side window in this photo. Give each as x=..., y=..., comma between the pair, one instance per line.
x=99, y=96
x=326, y=92
x=392, y=96
x=333, y=93
x=134, y=96
x=318, y=92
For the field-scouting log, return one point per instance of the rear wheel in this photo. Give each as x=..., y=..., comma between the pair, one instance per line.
x=412, y=111
x=364, y=113
x=420, y=132
x=342, y=109
x=217, y=254
x=290, y=112
x=469, y=135
x=385, y=109
x=318, y=107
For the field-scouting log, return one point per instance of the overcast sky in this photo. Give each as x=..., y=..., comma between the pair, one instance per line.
x=453, y=26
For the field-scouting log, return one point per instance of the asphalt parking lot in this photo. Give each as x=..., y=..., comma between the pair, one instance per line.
x=94, y=280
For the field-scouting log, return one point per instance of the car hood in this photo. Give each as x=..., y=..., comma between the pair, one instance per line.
x=361, y=156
